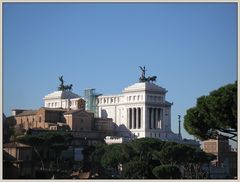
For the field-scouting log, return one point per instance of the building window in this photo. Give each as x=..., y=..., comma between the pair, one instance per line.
x=40, y=119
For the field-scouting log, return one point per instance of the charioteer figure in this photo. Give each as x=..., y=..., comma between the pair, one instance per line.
x=143, y=77
x=63, y=87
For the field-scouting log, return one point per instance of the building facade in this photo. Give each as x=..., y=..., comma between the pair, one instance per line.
x=226, y=159
x=17, y=161
x=44, y=118
x=64, y=99
x=140, y=111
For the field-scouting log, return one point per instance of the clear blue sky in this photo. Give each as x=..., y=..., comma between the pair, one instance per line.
x=191, y=48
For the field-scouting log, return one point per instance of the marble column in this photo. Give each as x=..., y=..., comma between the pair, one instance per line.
x=134, y=117
x=154, y=118
x=159, y=117
x=127, y=117
x=150, y=118
x=130, y=118
x=137, y=118
x=142, y=121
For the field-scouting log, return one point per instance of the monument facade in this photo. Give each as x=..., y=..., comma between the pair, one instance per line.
x=141, y=110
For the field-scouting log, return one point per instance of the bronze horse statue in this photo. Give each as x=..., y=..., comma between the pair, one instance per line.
x=63, y=87
x=151, y=78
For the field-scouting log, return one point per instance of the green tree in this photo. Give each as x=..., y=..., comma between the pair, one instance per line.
x=171, y=151
x=34, y=141
x=194, y=159
x=135, y=170
x=115, y=155
x=167, y=172
x=144, y=148
x=139, y=157
x=214, y=115
x=56, y=141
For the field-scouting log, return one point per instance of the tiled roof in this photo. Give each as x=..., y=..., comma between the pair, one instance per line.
x=27, y=113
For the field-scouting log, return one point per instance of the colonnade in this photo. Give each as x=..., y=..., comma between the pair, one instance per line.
x=135, y=117
x=154, y=118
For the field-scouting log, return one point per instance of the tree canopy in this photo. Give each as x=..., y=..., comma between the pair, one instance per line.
x=54, y=140
x=167, y=172
x=142, y=158
x=214, y=115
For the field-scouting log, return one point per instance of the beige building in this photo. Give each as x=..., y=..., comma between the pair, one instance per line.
x=220, y=148
x=17, y=161
x=226, y=158
x=79, y=120
x=55, y=118
x=42, y=118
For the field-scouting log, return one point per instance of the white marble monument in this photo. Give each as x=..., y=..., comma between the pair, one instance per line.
x=140, y=111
